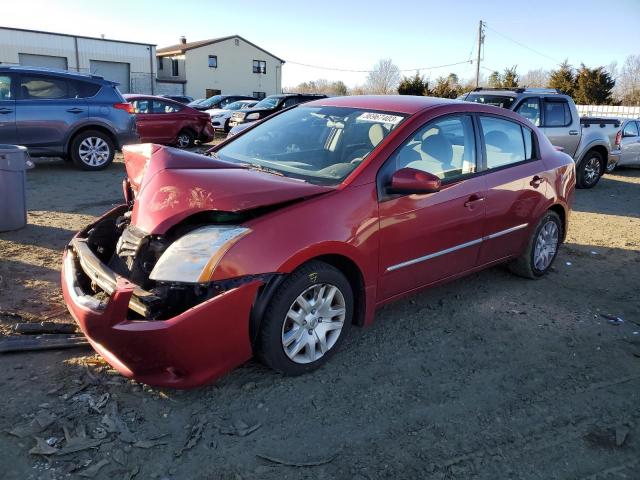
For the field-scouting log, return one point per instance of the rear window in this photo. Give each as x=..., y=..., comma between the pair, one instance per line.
x=502, y=101
x=556, y=114
x=86, y=89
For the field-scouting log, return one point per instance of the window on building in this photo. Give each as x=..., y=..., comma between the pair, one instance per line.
x=259, y=66
x=259, y=95
x=237, y=42
x=160, y=63
x=213, y=61
x=174, y=67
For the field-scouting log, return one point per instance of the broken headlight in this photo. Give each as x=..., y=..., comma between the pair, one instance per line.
x=193, y=257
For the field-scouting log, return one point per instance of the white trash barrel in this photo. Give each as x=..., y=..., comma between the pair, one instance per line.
x=14, y=160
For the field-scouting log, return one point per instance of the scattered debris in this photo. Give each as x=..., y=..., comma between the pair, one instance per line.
x=613, y=320
x=26, y=429
x=44, y=327
x=240, y=428
x=78, y=441
x=18, y=343
x=132, y=473
x=114, y=424
x=152, y=442
x=93, y=470
x=42, y=447
x=621, y=435
x=44, y=418
x=197, y=428
x=289, y=463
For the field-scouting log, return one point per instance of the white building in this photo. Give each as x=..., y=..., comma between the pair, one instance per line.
x=227, y=65
x=129, y=63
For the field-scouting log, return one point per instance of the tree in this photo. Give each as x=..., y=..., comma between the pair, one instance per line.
x=321, y=85
x=384, y=78
x=415, y=85
x=563, y=79
x=445, y=88
x=495, y=80
x=628, y=81
x=535, y=78
x=593, y=86
x=510, y=78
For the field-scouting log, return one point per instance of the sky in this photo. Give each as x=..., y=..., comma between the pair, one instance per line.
x=354, y=35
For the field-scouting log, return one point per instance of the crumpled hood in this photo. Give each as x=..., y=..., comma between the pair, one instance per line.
x=170, y=185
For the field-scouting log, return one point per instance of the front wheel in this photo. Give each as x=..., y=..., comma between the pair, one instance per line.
x=92, y=150
x=541, y=249
x=307, y=319
x=590, y=170
x=185, y=139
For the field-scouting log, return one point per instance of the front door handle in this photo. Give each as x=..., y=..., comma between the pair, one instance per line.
x=473, y=199
x=5, y=110
x=536, y=181
x=75, y=110
x=573, y=132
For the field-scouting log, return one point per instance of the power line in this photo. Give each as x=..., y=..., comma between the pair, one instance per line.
x=335, y=69
x=523, y=45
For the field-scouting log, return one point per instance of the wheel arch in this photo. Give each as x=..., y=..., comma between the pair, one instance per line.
x=562, y=213
x=599, y=148
x=84, y=128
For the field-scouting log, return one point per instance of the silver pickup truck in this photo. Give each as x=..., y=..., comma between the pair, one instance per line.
x=594, y=143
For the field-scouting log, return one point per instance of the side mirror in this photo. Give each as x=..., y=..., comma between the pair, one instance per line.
x=411, y=181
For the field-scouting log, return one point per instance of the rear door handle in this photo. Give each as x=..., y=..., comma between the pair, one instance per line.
x=573, y=132
x=75, y=110
x=5, y=110
x=536, y=181
x=473, y=199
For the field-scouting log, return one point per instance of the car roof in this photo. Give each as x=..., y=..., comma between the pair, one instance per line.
x=128, y=96
x=408, y=104
x=51, y=71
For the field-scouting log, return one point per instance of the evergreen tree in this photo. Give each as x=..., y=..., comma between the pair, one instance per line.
x=593, y=86
x=509, y=78
x=415, y=85
x=495, y=80
x=563, y=79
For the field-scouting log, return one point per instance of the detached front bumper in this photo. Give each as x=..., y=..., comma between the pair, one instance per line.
x=188, y=350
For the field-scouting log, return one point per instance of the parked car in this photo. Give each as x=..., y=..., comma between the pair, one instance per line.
x=281, y=238
x=63, y=114
x=269, y=105
x=179, y=98
x=220, y=116
x=594, y=143
x=630, y=143
x=168, y=122
x=218, y=101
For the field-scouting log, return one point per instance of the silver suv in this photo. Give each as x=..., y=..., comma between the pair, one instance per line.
x=78, y=117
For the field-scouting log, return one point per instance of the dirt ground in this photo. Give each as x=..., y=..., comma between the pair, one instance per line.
x=489, y=377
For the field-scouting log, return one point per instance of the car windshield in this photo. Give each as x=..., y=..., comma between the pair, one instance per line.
x=211, y=101
x=320, y=145
x=269, y=102
x=503, y=101
x=238, y=105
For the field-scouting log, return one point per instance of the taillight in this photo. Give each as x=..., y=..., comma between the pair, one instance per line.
x=618, y=138
x=127, y=107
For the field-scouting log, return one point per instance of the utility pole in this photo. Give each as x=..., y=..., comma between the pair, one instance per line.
x=480, y=43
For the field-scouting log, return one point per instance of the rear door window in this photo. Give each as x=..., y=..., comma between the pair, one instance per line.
x=505, y=142
x=557, y=114
x=530, y=109
x=141, y=105
x=46, y=88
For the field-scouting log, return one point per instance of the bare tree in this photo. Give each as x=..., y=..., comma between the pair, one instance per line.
x=535, y=78
x=628, y=81
x=384, y=78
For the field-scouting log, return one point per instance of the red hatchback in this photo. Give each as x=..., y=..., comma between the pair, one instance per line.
x=165, y=121
x=281, y=238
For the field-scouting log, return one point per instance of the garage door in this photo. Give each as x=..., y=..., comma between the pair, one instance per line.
x=114, y=71
x=48, y=61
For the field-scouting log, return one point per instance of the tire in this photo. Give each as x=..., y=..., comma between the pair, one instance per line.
x=92, y=150
x=312, y=280
x=226, y=126
x=590, y=170
x=525, y=265
x=185, y=139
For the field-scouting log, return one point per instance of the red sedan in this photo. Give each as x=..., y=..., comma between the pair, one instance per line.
x=165, y=121
x=282, y=237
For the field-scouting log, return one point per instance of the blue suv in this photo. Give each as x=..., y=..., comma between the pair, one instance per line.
x=81, y=118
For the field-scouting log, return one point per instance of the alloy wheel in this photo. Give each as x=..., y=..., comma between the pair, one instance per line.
x=592, y=170
x=313, y=323
x=183, y=140
x=94, y=151
x=546, y=245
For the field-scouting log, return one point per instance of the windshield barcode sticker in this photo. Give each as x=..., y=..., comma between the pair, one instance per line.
x=380, y=118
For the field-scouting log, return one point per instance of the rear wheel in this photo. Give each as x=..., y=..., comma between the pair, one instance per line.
x=590, y=170
x=92, y=150
x=541, y=249
x=185, y=139
x=226, y=126
x=307, y=319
